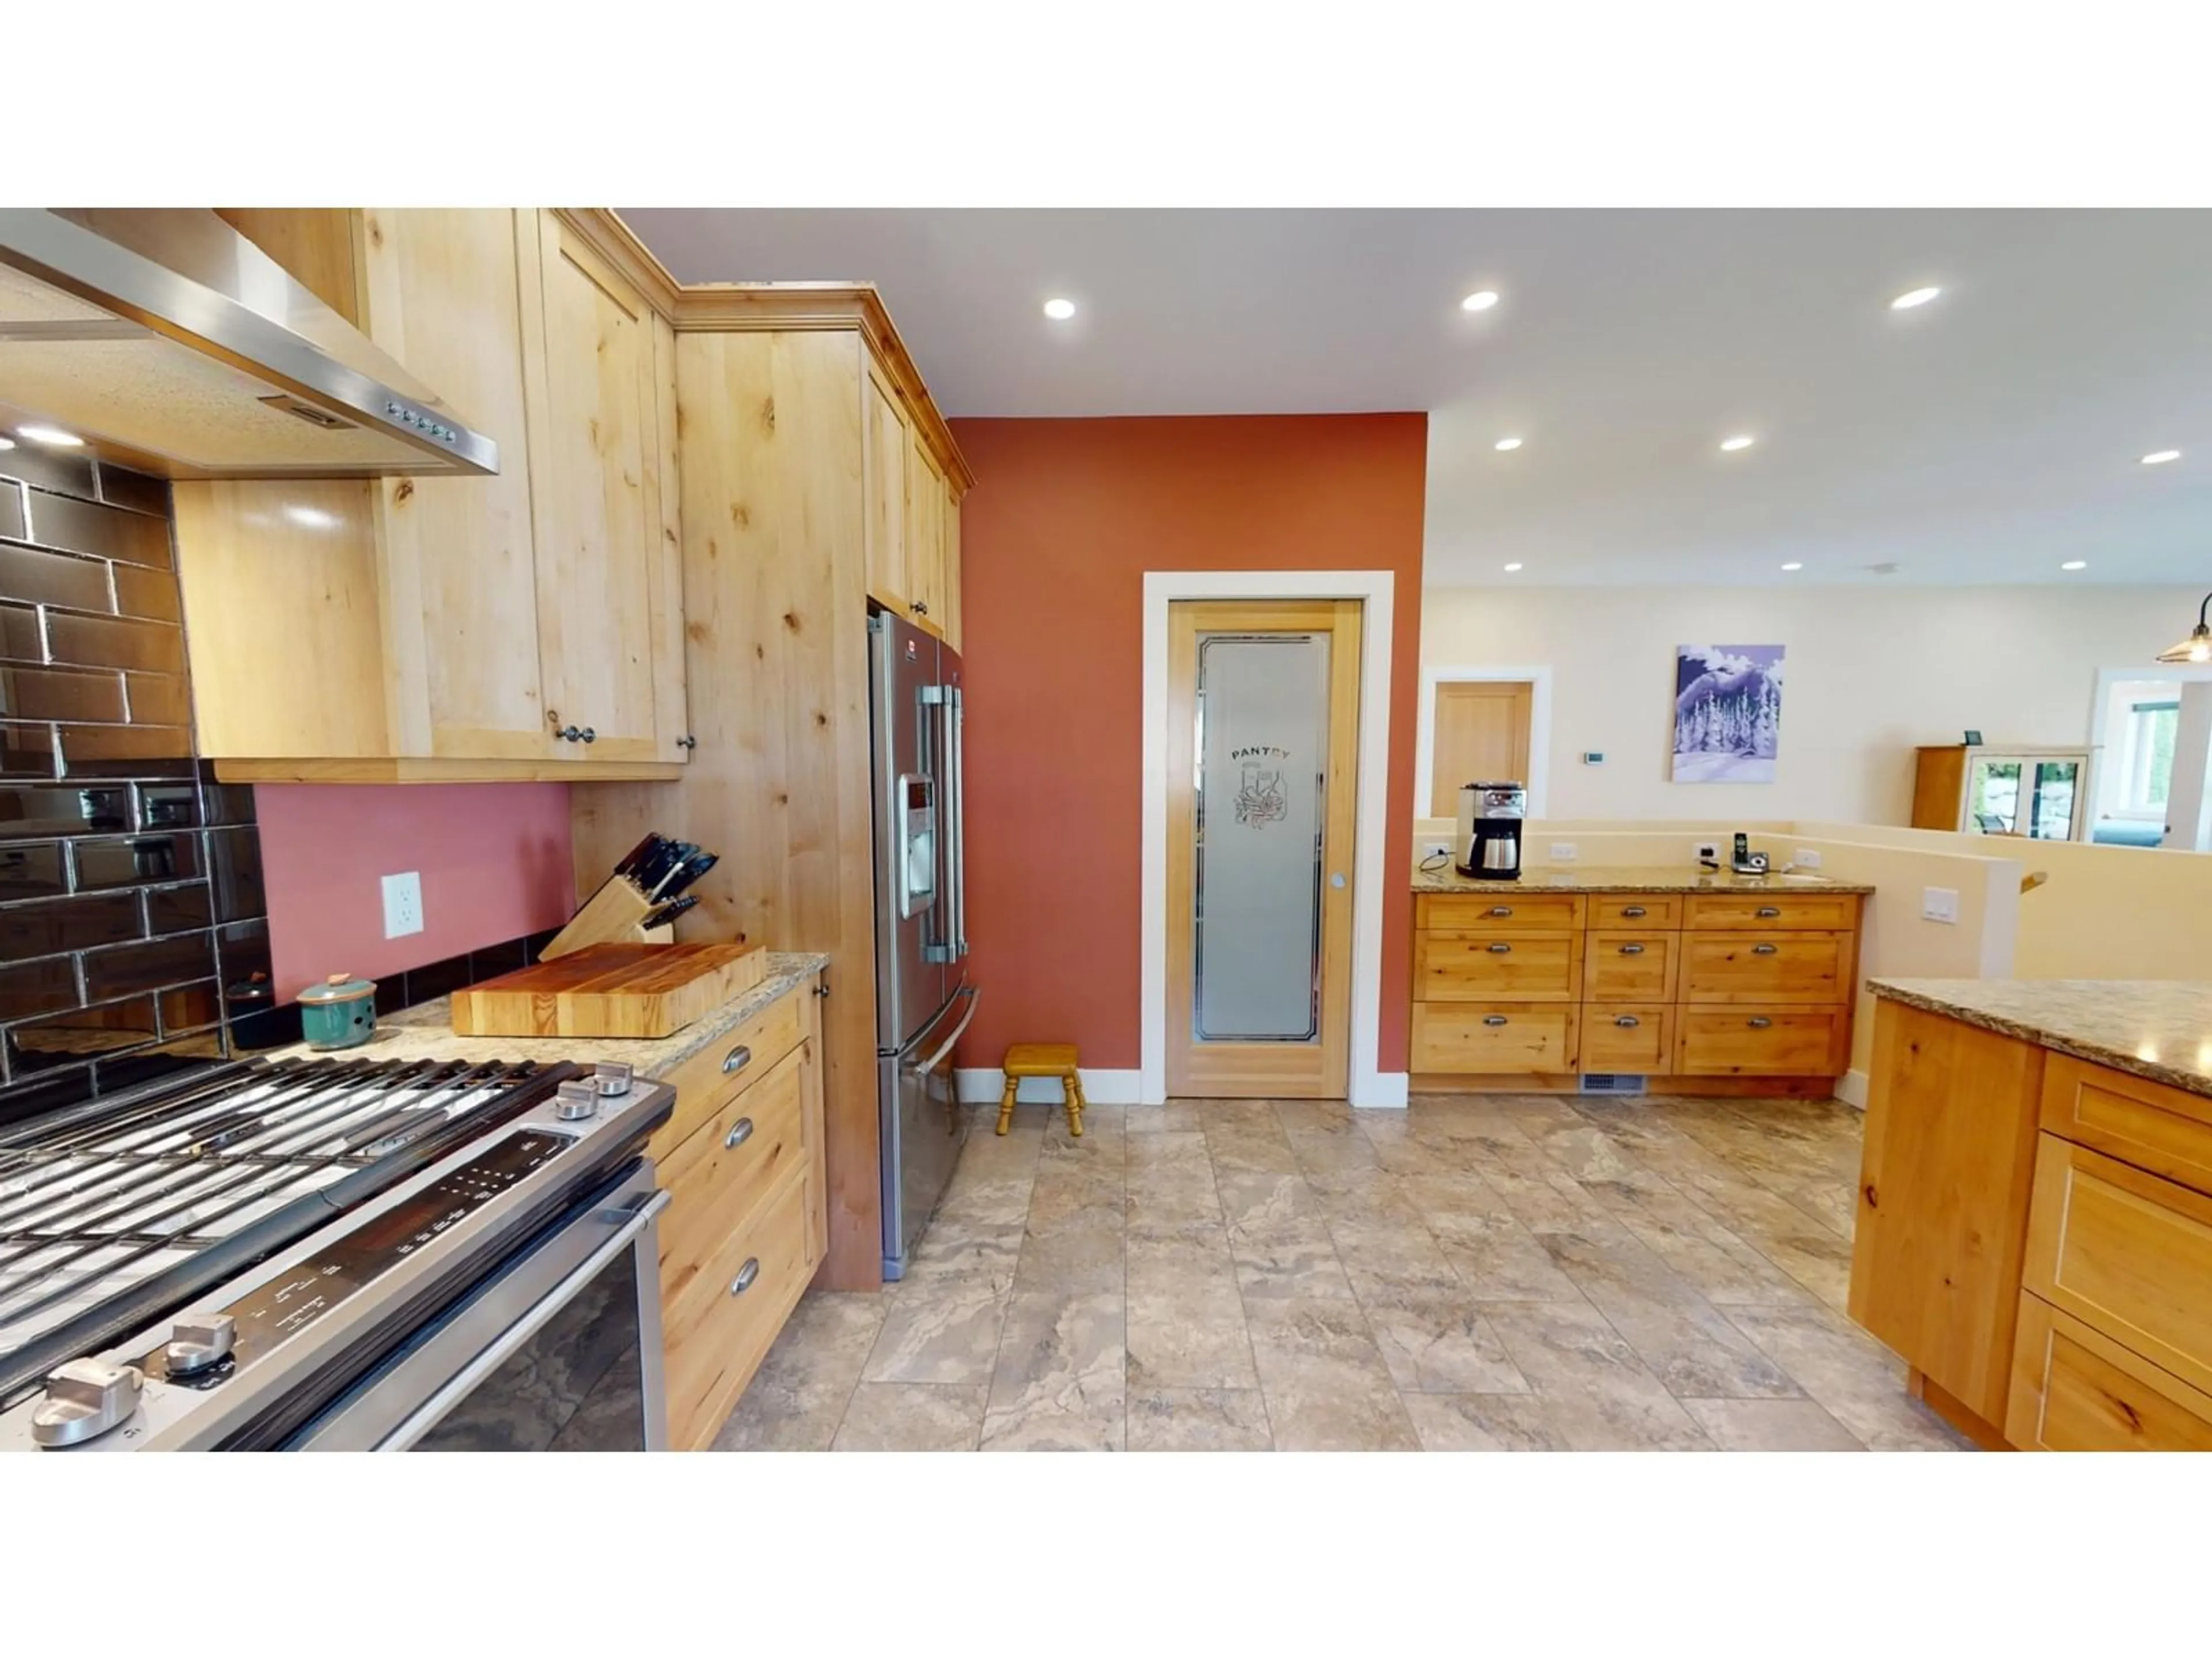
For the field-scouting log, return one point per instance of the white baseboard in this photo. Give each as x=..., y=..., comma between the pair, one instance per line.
x=1385, y=1090
x=1851, y=1089
x=977, y=1084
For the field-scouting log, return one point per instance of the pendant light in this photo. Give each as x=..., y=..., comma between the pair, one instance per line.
x=2197, y=648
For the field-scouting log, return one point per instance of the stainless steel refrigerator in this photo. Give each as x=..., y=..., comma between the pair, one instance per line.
x=923, y=999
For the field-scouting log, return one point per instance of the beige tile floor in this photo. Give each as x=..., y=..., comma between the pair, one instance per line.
x=1512, y=1273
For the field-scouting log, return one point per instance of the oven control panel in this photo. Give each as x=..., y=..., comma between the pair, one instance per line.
x=287, y=1303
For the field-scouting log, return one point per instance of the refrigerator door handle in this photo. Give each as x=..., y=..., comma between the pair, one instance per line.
x=971, y=994
x=956, y=857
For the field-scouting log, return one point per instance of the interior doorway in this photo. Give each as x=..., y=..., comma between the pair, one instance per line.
x=1263, y=754
x=1483, y=730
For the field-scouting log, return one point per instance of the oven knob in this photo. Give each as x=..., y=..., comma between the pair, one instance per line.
x=612, y=1077
x=85, y=1398
x=200, y=1342
x=576, y=1099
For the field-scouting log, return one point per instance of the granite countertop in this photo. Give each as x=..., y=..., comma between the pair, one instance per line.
x=2160, y=1028
x=1634, y=878
x=426, y=1031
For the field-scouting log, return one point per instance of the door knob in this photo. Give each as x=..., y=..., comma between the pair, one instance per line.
x=1336, y=880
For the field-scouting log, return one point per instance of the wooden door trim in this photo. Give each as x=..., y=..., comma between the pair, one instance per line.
x=1540, y=727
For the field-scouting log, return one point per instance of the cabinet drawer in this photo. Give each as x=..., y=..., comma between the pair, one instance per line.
x=718, y=1177
x=1620, y=1037
x=2163, y=1130
x=1636, y=910
x=1774, y=912
x=1629, y=967
x=1761, y=1041
x=1463, y=967
x=1493, y=1037
x=1765, y=968
x=1504, y=912
x=2127, y=1253
x=707, y=1082
x=717, y=1329
x=2075, y=1390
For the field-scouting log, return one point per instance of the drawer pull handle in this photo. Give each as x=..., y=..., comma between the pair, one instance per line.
x=1762, y=950
x=1501, y=909
x=740, y=1132
x=1493, y=1019
x=1770, y=910
x=1632, y=949
x=1635, y=910
x=747, y=1275
x=1499, y=950
x=737, y=1059
x=1628, y=1022
x=1758, y=1021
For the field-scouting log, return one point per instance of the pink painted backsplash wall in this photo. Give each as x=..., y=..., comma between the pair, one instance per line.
x=495, y=859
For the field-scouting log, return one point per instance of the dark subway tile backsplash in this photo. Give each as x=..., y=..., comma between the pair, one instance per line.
x=123, y=913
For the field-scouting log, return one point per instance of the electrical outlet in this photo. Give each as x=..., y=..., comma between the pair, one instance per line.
x=1806, y=858
x=1437, y=849
x=402, y=904
x=1563, y=852
x=1709, y=851
x=1939, y=904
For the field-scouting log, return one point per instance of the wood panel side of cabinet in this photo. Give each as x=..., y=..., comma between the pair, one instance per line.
x=1944, y=1186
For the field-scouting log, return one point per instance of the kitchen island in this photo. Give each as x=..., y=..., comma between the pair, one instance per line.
x=2034, y=1226
x=1692, y=981
x=741, y=1160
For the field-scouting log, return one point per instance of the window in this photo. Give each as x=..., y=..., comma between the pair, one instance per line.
x=2147, y=756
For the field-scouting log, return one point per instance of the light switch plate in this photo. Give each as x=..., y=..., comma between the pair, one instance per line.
x=1806, y=858
x=1563, y=852
x=402, y=904
x=1939, y=904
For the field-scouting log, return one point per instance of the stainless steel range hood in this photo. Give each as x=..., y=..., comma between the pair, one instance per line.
x=168, y=341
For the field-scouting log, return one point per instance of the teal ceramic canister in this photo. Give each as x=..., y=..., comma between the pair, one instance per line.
x=339, y=1013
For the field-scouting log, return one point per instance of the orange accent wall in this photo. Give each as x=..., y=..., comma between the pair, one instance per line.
x=1065, y=519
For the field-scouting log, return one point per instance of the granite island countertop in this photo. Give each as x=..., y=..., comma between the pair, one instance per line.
x=425, y=1031
x=1629, y=878
x=2160, y=1028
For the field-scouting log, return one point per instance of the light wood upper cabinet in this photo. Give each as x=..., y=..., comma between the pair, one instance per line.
x=912, y=527
x=443, y=623
x=605, y=560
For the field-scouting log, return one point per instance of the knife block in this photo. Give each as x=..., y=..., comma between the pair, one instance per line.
x=610, y=916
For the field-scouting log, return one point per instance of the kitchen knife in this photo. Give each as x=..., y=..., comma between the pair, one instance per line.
x=637, y=855
x=664, y=858
x=687, y=872
x=685, y=851
x=667, y=913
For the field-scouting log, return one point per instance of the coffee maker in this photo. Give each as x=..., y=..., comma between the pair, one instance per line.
x=1490, y=817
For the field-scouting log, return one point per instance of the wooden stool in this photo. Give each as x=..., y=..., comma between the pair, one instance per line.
x=1044, y=1059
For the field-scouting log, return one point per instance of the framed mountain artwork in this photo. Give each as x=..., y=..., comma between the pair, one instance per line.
x=1728, y=713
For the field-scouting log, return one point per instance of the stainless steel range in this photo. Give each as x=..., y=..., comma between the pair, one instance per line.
x=339, y=1254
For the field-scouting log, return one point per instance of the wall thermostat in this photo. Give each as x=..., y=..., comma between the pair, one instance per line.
x=1593, y=757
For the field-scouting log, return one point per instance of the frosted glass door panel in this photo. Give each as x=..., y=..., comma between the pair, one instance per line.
x=1262, y=733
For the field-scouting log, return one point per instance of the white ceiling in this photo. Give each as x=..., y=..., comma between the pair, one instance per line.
x=1985, y=437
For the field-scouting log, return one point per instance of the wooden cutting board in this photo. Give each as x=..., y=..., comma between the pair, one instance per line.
x=610, y=991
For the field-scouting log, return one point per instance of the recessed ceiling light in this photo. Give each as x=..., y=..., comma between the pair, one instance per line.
x=1918, y=296
x=1507, y=443
x=51, y=434
x=1515, y=566
x=2075, y=564
x=2157, y=457
x=1060, y=310
x=1482, y=299
x=1741, y=441
x=313, y=517
x=7, y=443
x=1795, y=564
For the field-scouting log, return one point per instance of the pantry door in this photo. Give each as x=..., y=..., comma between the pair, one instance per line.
x=1263, y=758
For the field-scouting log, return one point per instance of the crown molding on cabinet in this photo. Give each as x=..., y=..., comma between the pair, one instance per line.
x=740, y=307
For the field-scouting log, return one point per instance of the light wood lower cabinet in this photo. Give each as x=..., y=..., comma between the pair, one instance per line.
x=745, y=1228
x=2075, y=1389
x=1710, y=991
